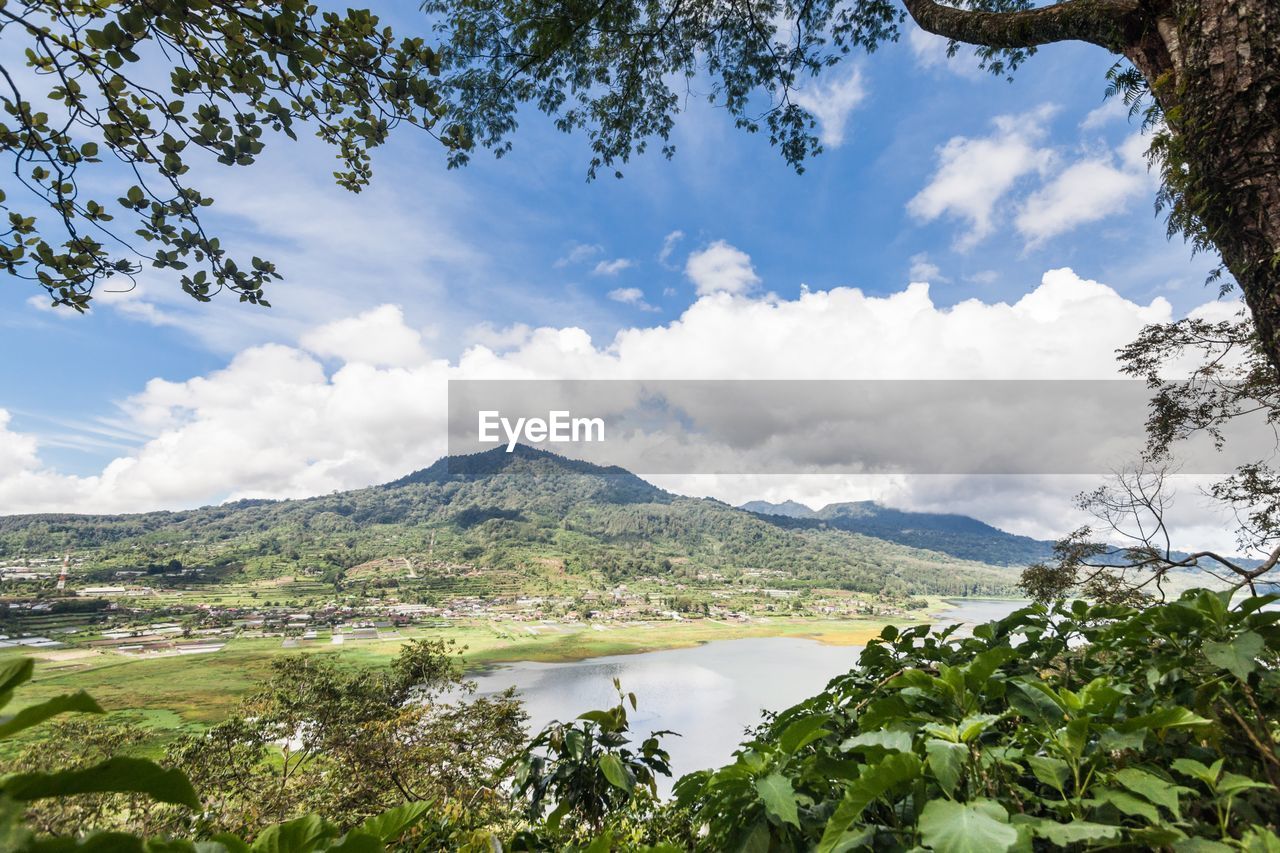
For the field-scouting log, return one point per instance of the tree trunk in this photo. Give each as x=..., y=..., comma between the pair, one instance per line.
x=1214, y=69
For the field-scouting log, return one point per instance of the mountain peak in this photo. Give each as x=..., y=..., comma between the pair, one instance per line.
x=787, y=509
x=608, y=482
x=958, y=535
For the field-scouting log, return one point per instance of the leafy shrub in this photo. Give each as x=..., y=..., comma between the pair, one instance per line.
x=1074, y=727
x=119, y=775
x=587, y=771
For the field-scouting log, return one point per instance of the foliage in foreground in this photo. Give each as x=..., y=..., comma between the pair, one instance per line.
x=1076, y=727
x=140, y=777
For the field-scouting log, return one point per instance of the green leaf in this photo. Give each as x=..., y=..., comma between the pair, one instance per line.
x=889, y=741
x=229, y=842
x=1051, y=771
x=303, y=835
x=1062, y=834
x=13, y=672
x=803, y=732
x=976, y=724
x=1259, y=839
x=1201, y=845
x=114, y=776
x=613, y=770
x=1234, y=783
x=1238, y=656
x=757, y=841
x=36, y=714
x=779, y=798
x=984, y=665
x=946, y=761
x=1196, y=770
x=356, y=842
x=391, y=824
x=894, y=769
x=1126, y=803
x=978, y=827
x=1157, y=790
x=1166, y=718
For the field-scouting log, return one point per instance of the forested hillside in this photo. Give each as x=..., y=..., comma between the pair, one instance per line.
x=502, y=511
x=958, y=535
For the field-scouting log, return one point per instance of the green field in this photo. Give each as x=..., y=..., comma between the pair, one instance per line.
x=183, y=693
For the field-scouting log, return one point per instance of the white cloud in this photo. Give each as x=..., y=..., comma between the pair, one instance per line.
x=930, y=52
x=631, y=296
x=831, y=103
x=974, y=174
x=379, y=337
x=922, y=269
x=721, y=268
x=1112, y=109
x=17, y=451
x=488, y=335
x=276, y=422
x=1085, y=191
x=613, y=267
x=669, y=245
x=578, y=253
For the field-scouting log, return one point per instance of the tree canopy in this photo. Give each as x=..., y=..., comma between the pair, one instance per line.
x=153, y=86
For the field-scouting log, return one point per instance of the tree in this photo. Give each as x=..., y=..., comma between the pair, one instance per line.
x=349, y=742
x=1231, y=381
x=230, y=70
x=588, y=770
x=1208, y=72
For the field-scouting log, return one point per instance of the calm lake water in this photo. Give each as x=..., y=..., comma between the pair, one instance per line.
x=710, y=694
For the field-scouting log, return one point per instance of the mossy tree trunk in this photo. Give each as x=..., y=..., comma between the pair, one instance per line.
x=1213, y=66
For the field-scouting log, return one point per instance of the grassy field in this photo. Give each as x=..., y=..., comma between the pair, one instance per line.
x=182, y=693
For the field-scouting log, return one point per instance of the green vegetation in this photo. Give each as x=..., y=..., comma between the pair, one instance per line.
x=533, y=521
x=231, y=74
x=958, y=535
x=1076, y=727
x=167, y=697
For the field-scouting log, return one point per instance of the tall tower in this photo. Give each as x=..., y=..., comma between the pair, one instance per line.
x=62, y=575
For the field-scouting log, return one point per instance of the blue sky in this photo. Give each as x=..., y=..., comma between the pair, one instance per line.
x=933, y=172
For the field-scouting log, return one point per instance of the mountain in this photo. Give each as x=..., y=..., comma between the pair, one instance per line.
x=788, y=509
x=529, y=518
x=958, y=535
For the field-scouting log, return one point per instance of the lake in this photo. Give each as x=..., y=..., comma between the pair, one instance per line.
x=710, y=694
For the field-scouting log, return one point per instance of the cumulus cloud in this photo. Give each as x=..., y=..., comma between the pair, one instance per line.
x=831, y=102
x=975, y=174
x=631, y=296
x=721, y=268
x=922, y=269
x=1085, y=191
x=333, y=413
x=508, y=337
x=379, y=337
x=1113, y=109
x=611, y=268
x=276, y=421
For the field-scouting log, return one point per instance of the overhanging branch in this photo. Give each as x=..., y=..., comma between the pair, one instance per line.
x=1100, y=22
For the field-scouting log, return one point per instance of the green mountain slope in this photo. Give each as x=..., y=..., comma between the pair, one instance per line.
x=958, y=535
x=524, y=514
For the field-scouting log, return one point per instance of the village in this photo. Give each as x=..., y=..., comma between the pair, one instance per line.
x=42, y=606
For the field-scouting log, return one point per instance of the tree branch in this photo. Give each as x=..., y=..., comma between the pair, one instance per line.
x=1100, y=22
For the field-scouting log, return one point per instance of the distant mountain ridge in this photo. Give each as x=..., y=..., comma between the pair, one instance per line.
x=960, y=536
x=530, y=515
